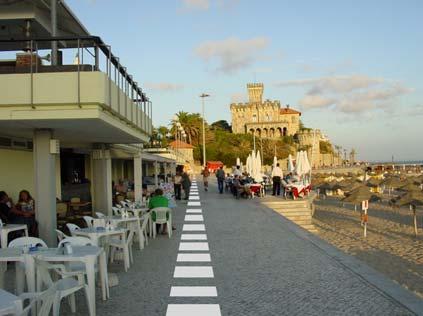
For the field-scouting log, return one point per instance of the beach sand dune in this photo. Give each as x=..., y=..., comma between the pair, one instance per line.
x=390, y=247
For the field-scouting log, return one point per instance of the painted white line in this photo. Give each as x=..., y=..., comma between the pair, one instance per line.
x=194, y=203
x=193, y=227
x=193, y=237
x=193, y=272
x=193, y=291
x=194, y=218
x=194, y=246
x=194, y=210
x=193, y=310
x=195, y=198
x=193, y=257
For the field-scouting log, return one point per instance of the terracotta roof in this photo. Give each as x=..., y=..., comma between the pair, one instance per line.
x=289, y=111
x=180, y=145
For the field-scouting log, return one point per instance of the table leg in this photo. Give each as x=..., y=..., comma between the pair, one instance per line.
x=4, y=234
x=89, y=268
x=3, y=266
x=140, y=237
x=26, y=232
x=103, y=275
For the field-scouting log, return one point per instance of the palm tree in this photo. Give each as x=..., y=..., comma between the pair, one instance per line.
x=191, y=122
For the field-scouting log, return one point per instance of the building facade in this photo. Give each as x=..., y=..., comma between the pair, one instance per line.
x=264, y=118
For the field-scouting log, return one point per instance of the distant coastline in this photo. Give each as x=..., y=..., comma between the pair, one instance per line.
x=405, y=162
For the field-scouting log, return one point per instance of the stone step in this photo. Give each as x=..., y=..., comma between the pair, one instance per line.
x=298, y=218
x=291, y=204
x=304, y=211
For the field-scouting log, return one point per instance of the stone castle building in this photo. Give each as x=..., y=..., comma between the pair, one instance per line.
x=264, y=118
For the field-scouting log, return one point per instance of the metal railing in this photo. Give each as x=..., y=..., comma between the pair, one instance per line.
x=81, y=54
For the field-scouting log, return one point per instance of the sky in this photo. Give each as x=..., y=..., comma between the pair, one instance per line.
x=353, y=68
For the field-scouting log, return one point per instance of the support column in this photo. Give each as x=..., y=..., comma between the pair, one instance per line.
x=102, y=181
x=138, y=177
x=45, y=186
x=156, y=173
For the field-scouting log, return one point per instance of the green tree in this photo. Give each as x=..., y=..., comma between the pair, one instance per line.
x=222, y=124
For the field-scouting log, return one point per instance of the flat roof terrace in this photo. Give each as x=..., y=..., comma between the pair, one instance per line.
x=88, y=90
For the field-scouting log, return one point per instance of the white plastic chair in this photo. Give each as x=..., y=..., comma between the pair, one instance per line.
x=27, y=242
x=76, y=241
x=61, y=235
x=72, y=227
x=116, y=210
x=44, y=301
x=126, y=246
x=67, y=286
x=162, y=215
x=88, y=220
x=124, y=204
x=20, y=266
x=100, y=215
x=144, y=235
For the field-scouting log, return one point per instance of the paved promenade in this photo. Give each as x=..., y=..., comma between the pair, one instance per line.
x=251, y=262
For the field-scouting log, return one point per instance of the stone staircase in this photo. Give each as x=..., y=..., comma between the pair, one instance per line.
x=298, y=211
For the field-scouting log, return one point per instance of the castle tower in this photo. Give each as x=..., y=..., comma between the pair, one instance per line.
x=255, y=92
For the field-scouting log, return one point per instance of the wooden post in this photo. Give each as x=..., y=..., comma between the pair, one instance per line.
x=413, y=208
x=364, y=207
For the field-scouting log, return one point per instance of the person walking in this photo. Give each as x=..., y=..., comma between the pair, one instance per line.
x=177, y=185
x=277, y=176
x=205, y=173
x=186, y=184
x=220, y=175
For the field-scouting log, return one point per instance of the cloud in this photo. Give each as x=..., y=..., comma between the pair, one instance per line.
x=232, y=54
x=164, y=86
x=196, y=5
x=315, y=101
x=356, y=94
x=336, y=84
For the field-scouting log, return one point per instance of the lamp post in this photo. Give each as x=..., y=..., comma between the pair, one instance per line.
x=202, y=96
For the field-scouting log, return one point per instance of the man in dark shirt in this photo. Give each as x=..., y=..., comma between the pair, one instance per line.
x=5, y=207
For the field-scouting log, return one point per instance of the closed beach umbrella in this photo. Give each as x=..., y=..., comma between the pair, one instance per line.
x=275, y=161
x=306, y=162
x=238, y=162
x=299, y=164
x=290, y=164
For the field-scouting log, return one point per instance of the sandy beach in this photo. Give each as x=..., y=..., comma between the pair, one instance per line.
x=390, y=246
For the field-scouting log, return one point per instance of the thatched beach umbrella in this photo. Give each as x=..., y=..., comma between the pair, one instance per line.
x=413, y=199
x=358, y=196
x=409, y=187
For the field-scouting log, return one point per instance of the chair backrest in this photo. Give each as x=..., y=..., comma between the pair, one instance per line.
x=99, y=222
x=124, y=204
x=116, y=210
x=27, y=242
x=46, y=299
x=100, y=215
x=61, y=209
x=160, y=214
x=61, y=235
x=72, y=227
x=88, y=220
x=76, y=241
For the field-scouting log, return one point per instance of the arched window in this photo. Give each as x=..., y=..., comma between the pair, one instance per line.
x=254, y=117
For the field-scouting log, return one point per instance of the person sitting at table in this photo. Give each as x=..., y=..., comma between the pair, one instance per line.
x=25, y=213
x=121, y=187
x=6, y=205
x=158, y=200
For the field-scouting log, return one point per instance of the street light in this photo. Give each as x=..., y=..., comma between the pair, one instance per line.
x=202, y=96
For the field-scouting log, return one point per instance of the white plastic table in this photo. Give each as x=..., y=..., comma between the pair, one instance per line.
x=96, y=234
x=6, y=229
x=87, y=255
x=9, y=303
